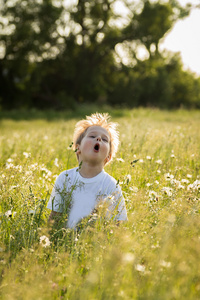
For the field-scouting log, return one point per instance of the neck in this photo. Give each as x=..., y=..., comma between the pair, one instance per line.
x=88, y=171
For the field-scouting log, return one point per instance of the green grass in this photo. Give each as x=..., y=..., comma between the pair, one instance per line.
x=154, y=256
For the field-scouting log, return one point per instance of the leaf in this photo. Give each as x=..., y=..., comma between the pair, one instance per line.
x=134, y=161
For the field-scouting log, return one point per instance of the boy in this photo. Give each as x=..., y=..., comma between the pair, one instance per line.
x=77, y=191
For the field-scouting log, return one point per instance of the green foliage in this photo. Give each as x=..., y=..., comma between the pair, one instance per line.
x=59, y=54
x=29, y=35
x=154, y=255
x=153, y=22
x=157, y=82
x=185, y=88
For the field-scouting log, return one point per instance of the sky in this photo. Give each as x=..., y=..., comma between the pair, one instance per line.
x=185, y=38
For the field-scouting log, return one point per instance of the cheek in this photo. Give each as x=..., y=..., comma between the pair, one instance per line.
x=87, y=144
x=107, y=147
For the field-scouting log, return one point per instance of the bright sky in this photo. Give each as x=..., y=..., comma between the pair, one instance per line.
x=185, y=38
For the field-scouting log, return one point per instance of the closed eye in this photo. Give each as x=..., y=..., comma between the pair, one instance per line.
x=105, y=140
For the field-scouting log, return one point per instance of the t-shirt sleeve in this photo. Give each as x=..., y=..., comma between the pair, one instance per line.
x=121, y=209
x=56, y=202
x=119, y=205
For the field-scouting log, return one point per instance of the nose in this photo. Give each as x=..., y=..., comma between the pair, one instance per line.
x=99, y=138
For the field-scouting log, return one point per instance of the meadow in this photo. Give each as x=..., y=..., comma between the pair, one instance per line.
x=153, y=256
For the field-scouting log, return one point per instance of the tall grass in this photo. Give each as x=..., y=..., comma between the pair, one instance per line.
x=154, y=255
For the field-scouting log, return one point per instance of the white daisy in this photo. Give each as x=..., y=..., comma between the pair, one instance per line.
x=44, y=241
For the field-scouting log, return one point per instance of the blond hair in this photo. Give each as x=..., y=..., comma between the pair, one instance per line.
x=97, y=119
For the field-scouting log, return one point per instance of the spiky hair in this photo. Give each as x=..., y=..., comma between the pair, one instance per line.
x=97, y=119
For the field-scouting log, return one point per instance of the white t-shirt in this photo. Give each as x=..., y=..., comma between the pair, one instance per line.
x=84, y=194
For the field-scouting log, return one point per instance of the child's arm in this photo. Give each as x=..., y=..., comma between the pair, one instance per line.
x=119, y=207
x=55, y=201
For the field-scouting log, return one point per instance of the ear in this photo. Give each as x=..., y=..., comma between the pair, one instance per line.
x=108, y=158
x=78, y=151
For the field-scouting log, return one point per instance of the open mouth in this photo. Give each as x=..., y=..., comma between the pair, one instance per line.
x=96, y=147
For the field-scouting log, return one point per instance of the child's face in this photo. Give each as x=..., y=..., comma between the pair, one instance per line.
x=95, y=146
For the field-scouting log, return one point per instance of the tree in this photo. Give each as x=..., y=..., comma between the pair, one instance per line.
x=29, y=36
x=59, y=53
x=185, y=87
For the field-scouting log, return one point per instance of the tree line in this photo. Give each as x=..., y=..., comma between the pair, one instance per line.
x=57, y=54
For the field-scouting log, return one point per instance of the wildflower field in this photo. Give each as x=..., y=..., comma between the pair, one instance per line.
x=155, y=255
